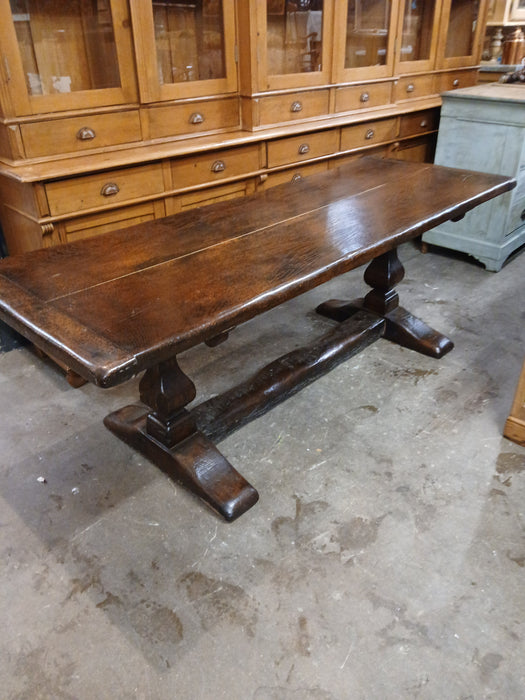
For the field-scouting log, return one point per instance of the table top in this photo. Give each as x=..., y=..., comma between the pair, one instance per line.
x=116, y=304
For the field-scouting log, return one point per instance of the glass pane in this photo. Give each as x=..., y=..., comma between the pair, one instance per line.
x=367, y=33
x=295, y=31
x=461, y=28
x=417, y=30
x=66, y=46
x=189, y=36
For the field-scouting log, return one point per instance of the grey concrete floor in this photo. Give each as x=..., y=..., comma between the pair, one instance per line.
x=385, y=558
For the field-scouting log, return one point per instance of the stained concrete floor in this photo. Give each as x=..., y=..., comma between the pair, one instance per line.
x=385, y=558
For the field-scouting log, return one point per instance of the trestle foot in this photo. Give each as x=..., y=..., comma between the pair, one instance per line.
x=401, y=326
x=194, y=462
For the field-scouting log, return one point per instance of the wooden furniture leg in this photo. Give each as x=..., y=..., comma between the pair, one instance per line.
x=167, y=435
x=383, y=274
x=181, y=442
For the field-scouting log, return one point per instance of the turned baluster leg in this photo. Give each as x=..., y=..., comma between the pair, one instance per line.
x=166, y=390
x=383, y=274
x=167, y=435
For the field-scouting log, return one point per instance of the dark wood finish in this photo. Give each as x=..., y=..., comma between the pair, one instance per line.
x=383, y=273
x=132, y=300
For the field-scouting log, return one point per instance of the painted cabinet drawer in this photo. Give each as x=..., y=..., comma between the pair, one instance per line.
x=77, y=134
x=193, y=117
x=362, y=135
x=304, y=147
x=366, y=96
x=212, y=167
x=414, y=87
x=276, y=109
x=419, y=122
x=103, y=189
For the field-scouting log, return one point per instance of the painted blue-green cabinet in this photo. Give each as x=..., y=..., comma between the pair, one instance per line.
x=483, y=128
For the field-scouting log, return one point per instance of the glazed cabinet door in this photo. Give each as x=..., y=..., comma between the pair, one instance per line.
x=462, y=28
x=185, y=48
x=292, y=45
x=65, y=55
x=364, y=34
x=417, y=32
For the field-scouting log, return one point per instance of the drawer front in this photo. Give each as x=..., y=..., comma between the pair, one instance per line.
x=379, y=151
x=96, y=224
x=362, y=135
x=79, y=134
x=419, y=122
x=349, y=99
x=103, y=189
x=304, y=147
x=193, y=118
x=293, y=107
x=414, y=87
x=197, y=170
x=419, y=150
x=292, y=175
x=210, y=195
x=455, y=80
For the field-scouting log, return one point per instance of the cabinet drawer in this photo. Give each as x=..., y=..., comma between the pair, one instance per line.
x=197, y=170
x=276, y=109
x=361, y=135
x=414, y=87
x=193, y=118
x=292, y=175
x=419, y=122
x=419, y=150
x=362, y=97
x=103, y=189
x=96, y=224
x=304, y=147
x=209, y=195
x=76, y=134
x=455, y=80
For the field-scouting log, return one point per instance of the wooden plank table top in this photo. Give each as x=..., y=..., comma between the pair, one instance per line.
x=132, y=300
x=114, y=305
